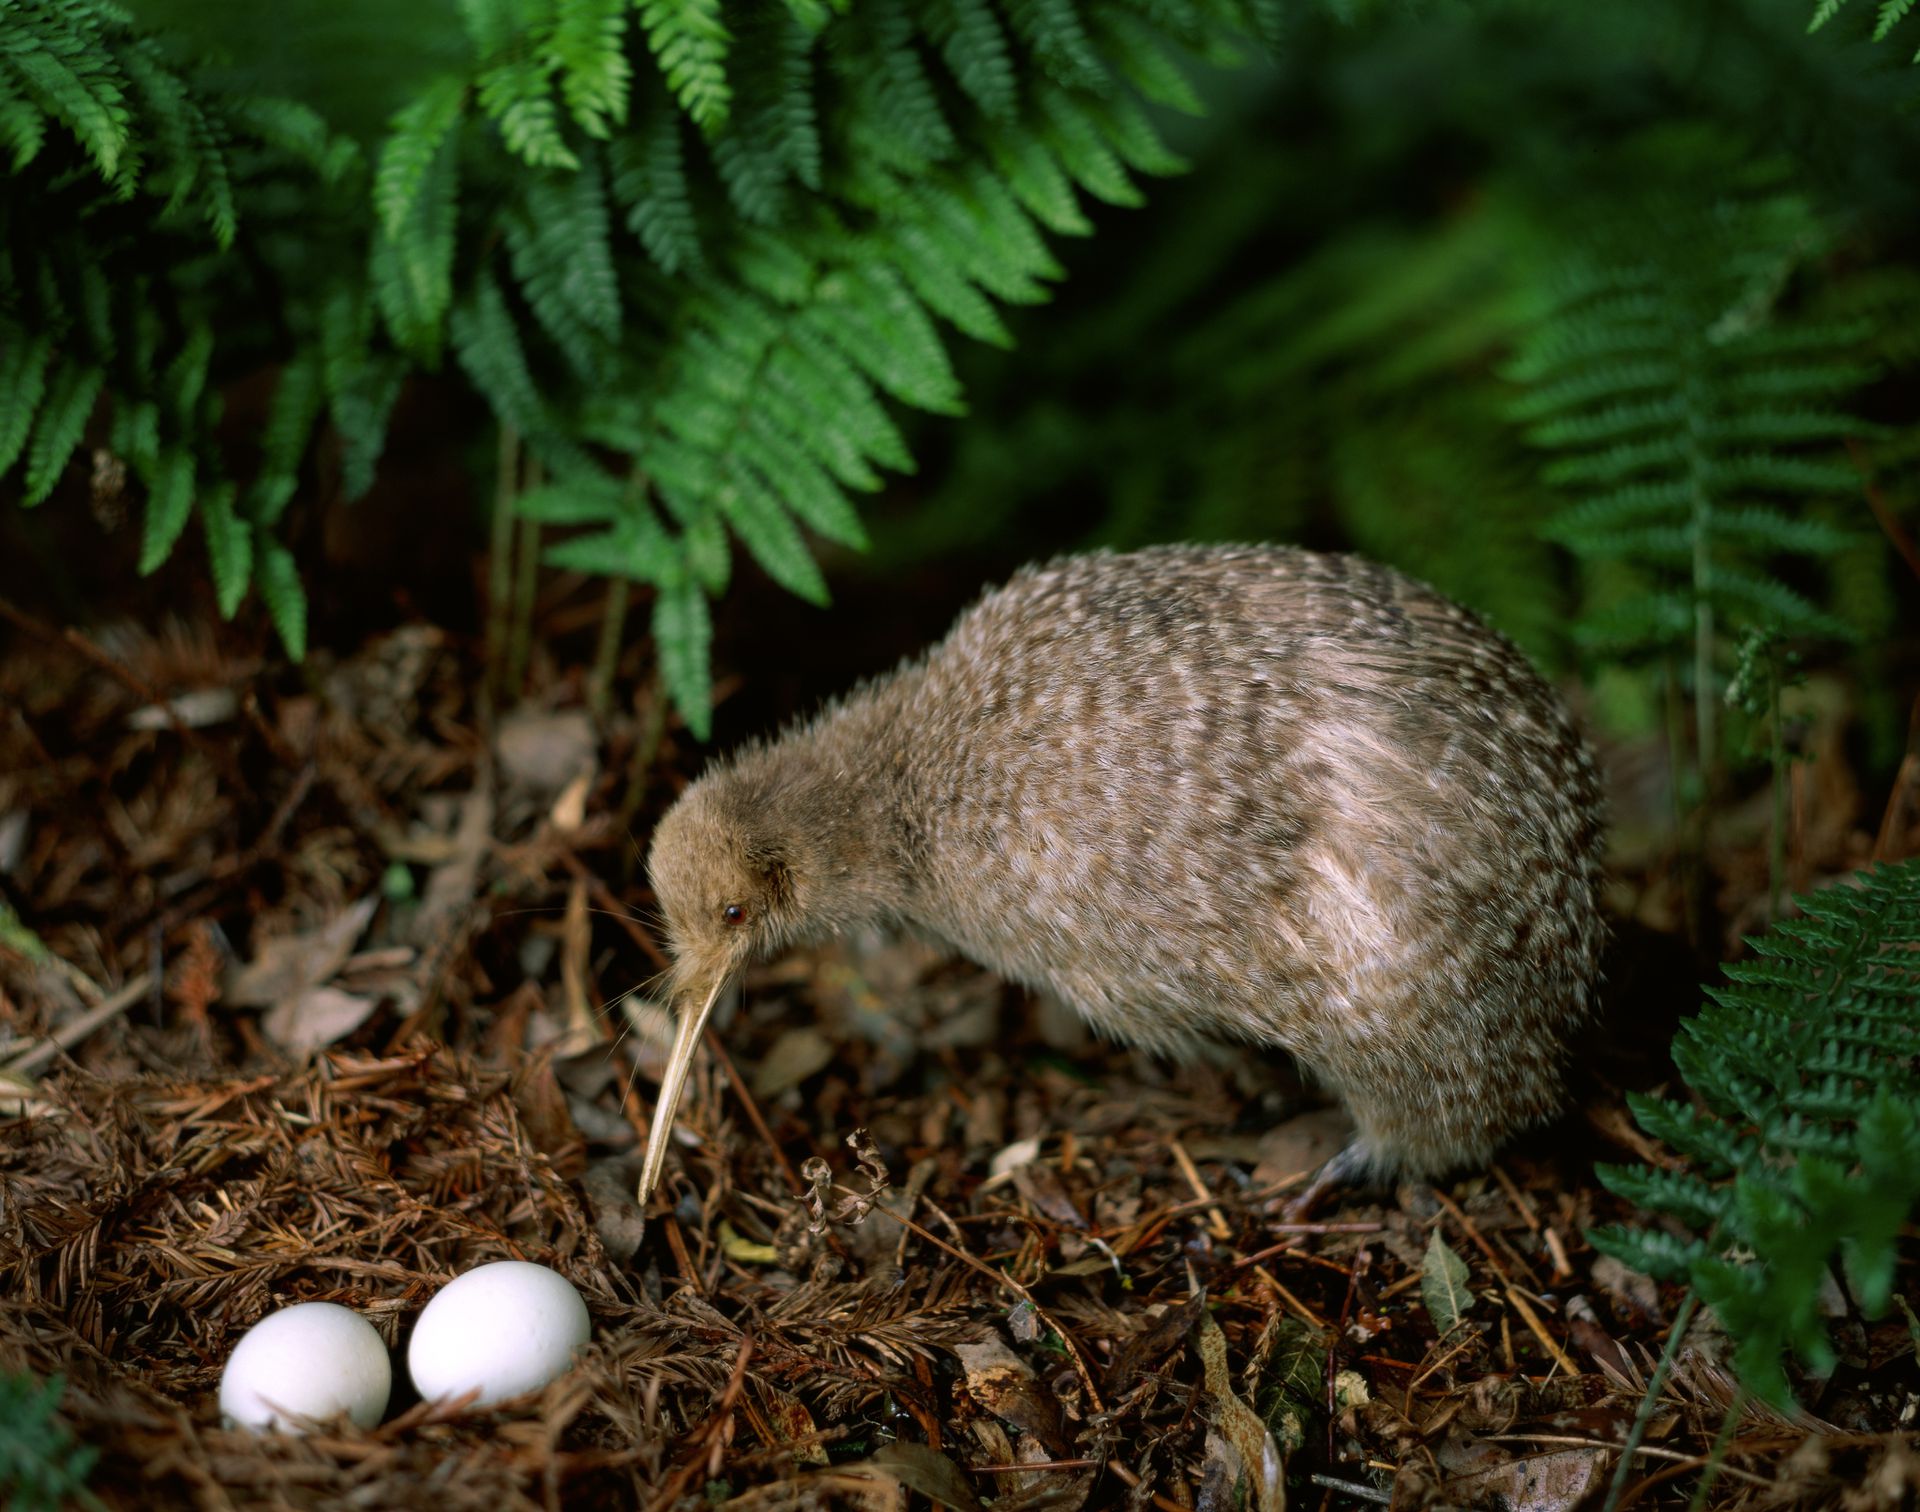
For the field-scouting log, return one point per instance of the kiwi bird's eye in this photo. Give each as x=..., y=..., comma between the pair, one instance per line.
x=733, y=913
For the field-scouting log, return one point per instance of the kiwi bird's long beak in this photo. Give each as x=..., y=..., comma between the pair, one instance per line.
x=686, y=1040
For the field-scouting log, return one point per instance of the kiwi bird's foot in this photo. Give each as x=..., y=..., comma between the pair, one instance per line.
x=1354, y=1166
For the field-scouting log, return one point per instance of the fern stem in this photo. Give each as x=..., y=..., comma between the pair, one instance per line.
x=652, y=703
x=500, y=559
x=1777, y=850
x=526, y=581
x=606, y=656
x=1701, y=530
x=1681, y=1318
x=1716, y=1455
x=1691, y=900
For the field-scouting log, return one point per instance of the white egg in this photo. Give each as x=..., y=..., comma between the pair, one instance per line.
x=501, y=1329
x=312, y=1360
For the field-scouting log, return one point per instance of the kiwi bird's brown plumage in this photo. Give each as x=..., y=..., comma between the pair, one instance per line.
x=1227, y=793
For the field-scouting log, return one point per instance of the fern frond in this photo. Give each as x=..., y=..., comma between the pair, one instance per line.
x=560, y=243
x=764, y=527
x=898, y=92
x=518, y=98
x=682, y=637
x=974, y=47
x=53, y=63
x=649, y=178
x=412, y=267
x=690, y=44
x=587, y=48
x=881, y=328
x=229, y=547
x=283, y=444
x=420, y=131
x=1806, y=1139
x=169, y=503
x=487, y=343
x=1039, y=180
x=278, y=578
x=23, y=382
x=1053, y=29
x=1077, y=136
x=61, y=423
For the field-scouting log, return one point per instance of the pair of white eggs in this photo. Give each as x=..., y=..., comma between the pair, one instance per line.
x=500, y=1330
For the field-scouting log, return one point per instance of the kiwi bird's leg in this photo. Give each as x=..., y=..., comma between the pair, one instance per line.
x=686, y=1040
x=1353, y=1166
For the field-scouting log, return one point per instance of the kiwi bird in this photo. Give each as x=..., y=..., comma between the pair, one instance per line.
x=1242, y=793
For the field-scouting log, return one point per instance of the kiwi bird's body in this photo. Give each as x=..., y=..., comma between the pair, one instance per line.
x=1201, y=793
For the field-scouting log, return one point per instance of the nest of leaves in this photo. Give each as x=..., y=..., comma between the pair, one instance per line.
x=313, y=992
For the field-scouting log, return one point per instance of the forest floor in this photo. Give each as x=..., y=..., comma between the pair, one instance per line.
x=331, y=986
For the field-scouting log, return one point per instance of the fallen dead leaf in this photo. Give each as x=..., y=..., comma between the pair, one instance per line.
x=797, y=1054
x=284, y=969
x=544, y=751
x=316, y=1018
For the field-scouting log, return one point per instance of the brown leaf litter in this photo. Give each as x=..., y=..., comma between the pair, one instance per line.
x=316, y=994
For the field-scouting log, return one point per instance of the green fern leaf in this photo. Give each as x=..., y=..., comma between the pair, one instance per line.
x=649, y=177
x=974, y=47
x=61, y=423
x=813, y=15
x=23, y=383
x=229, y=547
x=787, y=469
x=940, y=280
x=412, y=270
x=492, y=25
x=420, y=133
x=682, y=638
x=769, y=534
x=794, y=107
x=219, y=206
x=283, y=444
x=587, y=47
x=560, y=243
x=185, y=380
x=515, y=95
x=1126, y=127
x=85, y=98
x=297, y=130
x=1076, y=135
x=1142, y=57
x=23, y=124
x=753, y=165
x=812, y=369
x=690, y=44
x=896, y=90
x=778, y=266
x=1664, y=1255
x=361, y=406
x=286, y=599
x=1767, y=601
x=1805, y=1137
x=704, y=536
x=1039, y=180
x=1053, y=30
x=165, y=117
x=136, y=435
x=169, y=503
x=629, y=550
x=488, y=345
x=1646, y=622
x=1891, y=13
x=879, y=326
